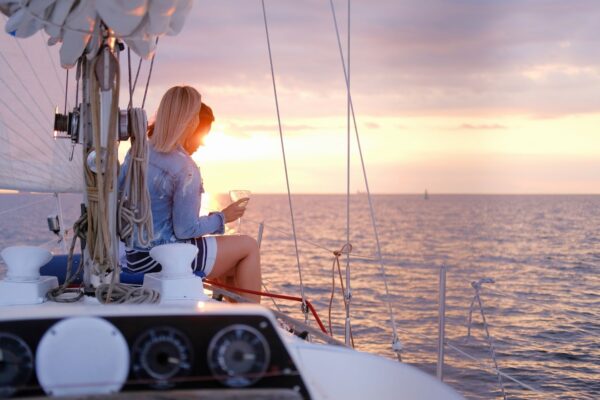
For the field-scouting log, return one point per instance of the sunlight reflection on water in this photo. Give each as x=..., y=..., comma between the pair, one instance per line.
x=543, y=310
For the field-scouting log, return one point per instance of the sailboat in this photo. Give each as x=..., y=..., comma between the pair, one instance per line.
x=166, y=337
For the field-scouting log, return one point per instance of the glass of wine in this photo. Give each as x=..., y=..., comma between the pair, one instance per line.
x=236, y=195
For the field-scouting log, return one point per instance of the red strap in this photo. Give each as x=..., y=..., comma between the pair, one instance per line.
x=274, y=295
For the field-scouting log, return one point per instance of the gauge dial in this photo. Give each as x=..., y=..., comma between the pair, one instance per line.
x=238, y=355
x=16, y=363
x=161, y=354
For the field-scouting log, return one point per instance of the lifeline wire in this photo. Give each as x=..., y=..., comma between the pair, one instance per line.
x=287, y=179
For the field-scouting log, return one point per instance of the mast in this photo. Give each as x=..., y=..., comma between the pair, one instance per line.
x=99, y=115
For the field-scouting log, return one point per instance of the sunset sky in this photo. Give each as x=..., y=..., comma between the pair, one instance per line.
x=464, y=96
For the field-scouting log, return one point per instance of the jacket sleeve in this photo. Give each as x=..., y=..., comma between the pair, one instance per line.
x=187, y=223
x=123, y=172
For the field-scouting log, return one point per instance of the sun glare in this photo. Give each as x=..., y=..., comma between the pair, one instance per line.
x=219, y=146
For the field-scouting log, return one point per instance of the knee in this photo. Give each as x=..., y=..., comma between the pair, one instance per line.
x=249, y=243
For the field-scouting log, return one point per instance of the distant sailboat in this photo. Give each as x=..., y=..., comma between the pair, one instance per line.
x=426, y=195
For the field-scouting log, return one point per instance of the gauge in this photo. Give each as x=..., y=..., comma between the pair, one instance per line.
x=161, y=354
x=16, y=363
x=238, y=355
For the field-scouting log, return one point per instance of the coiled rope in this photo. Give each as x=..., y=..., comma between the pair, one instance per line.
x=135, y=212
x=120, y=293
x=100, y=183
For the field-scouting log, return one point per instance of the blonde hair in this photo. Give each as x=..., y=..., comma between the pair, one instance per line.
x=177, y=118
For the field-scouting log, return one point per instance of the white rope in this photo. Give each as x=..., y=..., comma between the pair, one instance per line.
x=120, y=293
x=287, y=180
x=100, y=184
x=395, y=339
x=134, y=205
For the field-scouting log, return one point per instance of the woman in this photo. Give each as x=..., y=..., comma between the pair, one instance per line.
x=175, y=185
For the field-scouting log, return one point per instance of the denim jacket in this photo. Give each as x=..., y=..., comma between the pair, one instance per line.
x=175, y=186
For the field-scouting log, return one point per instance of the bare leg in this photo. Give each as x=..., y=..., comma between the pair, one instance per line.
x=239, y=254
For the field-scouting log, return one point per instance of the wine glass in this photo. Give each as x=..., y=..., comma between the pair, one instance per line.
x=236, y=195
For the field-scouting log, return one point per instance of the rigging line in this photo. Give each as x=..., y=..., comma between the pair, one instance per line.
x=371, y=208
x=10, y=108
x=348, y=293
x=28, y=175
x=39, y=107
x=66, y=92
x=34, y=72
x=20, y=118
x=44, y=140
x=31, y=172
x=137, y=75
x=23, y=206
x=150, y=72
x=59, y=81
x=29, y=184
x=34, y=131
x=129, y=76
x=287, y=179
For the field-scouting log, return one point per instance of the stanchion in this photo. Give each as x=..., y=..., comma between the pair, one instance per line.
x=441, y=323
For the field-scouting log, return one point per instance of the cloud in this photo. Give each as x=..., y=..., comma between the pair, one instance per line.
x=430, y=57
x=482, y=127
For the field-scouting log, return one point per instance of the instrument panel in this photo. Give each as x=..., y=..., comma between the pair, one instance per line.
x=166, y=352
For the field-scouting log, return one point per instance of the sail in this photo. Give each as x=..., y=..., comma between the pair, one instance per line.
x=31, y=85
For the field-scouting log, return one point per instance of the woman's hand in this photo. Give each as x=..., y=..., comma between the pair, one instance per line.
x=235, y=210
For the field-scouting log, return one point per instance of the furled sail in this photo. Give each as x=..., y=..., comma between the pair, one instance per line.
x=31, y=86
x=75, y=23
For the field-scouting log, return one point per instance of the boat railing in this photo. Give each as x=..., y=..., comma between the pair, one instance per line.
x=442, y=341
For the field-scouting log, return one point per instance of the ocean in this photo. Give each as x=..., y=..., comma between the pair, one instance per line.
x=542, y=251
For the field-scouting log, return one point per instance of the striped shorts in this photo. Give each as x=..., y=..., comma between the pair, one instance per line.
x=139, y=261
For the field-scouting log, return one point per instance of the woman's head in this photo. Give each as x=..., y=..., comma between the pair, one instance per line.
x=180, y=118
x=196, y=138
